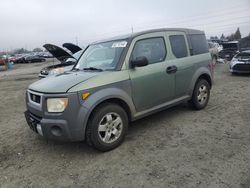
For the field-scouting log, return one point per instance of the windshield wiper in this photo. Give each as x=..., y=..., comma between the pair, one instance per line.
x=75, y=69
x=93, y=68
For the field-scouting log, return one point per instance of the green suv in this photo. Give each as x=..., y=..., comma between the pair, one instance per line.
x=120, y=80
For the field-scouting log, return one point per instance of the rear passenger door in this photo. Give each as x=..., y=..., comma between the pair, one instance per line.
x=180, y=57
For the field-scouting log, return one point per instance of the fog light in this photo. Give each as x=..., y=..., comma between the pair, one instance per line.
x=56, y=131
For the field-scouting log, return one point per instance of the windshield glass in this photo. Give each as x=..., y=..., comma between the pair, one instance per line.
x=243, y=55
x=77, y=54
x=103, y=56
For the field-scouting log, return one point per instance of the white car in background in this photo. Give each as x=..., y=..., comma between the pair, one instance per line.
x=240, y=62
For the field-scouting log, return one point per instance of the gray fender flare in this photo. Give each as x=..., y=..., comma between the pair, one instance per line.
x=197, y=74
x=104, y=94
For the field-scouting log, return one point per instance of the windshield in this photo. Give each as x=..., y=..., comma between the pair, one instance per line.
x=104, y=56
x=77, y=54
x=243, y=55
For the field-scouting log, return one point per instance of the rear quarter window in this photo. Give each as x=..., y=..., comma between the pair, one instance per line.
x=178, y=45
x=199, y=44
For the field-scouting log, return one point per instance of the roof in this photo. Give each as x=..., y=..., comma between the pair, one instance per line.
x=133, y=35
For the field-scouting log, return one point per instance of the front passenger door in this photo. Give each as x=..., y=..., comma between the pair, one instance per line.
x=151, y=85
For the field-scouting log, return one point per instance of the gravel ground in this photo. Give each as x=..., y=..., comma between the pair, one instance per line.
x=178, y=147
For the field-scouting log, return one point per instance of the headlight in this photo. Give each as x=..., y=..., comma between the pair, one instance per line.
x=57, y=104
x=57, y=71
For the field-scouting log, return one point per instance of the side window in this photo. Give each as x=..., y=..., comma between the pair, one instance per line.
x=153, y=49
x=199, y=44
x=178, y=45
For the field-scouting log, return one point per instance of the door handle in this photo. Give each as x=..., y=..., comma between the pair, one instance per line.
x=171, y=69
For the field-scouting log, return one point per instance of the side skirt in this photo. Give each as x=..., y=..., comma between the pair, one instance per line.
x=160, y=107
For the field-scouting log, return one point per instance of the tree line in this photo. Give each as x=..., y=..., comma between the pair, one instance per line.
x=234, y=36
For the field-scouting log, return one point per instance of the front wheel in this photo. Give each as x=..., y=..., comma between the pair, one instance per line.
x=107, y=127
x=201, y=94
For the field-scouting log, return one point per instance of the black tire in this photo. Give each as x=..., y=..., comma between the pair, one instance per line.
x=93, y=136
x=196, y=102
x=234, y=73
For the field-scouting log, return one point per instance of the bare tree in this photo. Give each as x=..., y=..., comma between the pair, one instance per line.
x=237, y=34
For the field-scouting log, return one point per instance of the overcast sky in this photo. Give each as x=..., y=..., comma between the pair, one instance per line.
x=31, y=23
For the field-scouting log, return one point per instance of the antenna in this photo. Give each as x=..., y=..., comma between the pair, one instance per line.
x=132, y=29
x=76, y=40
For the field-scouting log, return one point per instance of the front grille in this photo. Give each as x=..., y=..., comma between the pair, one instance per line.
x=32, y=120
x=242, y=67
x=35, y=98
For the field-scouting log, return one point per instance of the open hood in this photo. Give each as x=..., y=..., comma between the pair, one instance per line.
x=72, y=47
x=58, y=52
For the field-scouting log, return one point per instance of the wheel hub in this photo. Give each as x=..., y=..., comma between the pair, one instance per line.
x=202, y=94
x=110, y=127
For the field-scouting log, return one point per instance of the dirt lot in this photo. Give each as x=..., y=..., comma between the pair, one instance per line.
x=175, y=148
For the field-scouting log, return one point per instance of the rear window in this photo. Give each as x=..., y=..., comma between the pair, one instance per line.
x=199, y=44
x=178, y=46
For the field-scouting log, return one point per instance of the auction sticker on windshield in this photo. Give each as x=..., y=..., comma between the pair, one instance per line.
x=120, y=44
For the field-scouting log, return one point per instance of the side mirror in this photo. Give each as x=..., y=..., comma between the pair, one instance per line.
x=139, y=62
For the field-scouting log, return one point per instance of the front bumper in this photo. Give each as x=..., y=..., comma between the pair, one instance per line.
x=240, y=67
x=53, y=129
x=66, y=126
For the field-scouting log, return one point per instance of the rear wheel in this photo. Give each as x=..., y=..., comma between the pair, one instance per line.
x=107, y=127
x=201, y=94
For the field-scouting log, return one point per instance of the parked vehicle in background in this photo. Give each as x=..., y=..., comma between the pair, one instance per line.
x=20, y=58
x=44, y=54
x=230, y=49
x=120, y=80
x=27, y=58
x=3, y=62
x=213, y=51
x=33, y=59
x=67, y=61
x=12, y=59
x=240, y=62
